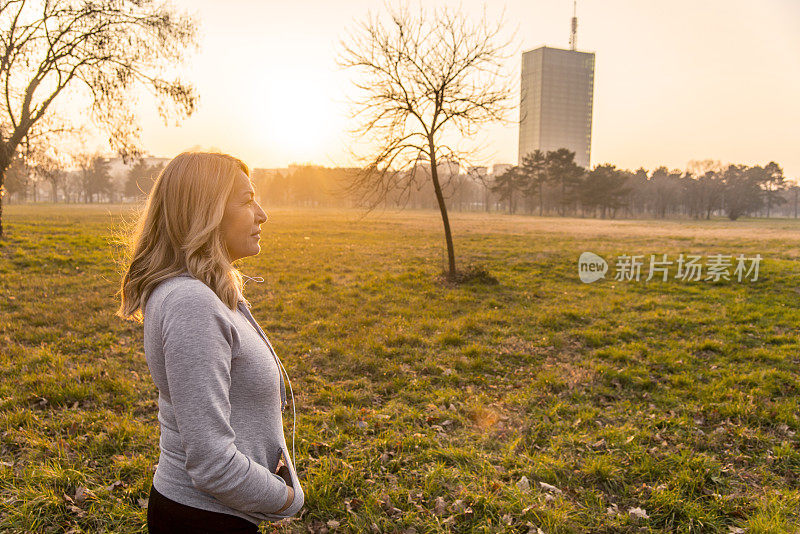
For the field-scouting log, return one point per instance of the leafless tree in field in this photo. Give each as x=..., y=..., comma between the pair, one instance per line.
x=423, y=80
x=89, y=57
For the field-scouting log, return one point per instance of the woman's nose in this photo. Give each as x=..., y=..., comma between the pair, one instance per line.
x=262, y=215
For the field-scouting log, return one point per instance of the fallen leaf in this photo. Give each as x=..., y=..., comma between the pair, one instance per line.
x=458, y=506
x=74, y=509
x=318, y=527
x=353, y=504
x=82, y=493
x=638, y=512
x=439, y=506
x=548, y=487
x=116, y=484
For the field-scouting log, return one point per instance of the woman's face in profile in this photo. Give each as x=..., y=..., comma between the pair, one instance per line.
x=241, y=223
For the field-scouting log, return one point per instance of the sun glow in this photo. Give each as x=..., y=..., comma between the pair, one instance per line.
x=295, y=118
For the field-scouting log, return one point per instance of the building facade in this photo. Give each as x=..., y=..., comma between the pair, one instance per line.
x=556, y=102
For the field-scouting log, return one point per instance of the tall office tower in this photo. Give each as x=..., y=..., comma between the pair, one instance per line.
x=556, y=101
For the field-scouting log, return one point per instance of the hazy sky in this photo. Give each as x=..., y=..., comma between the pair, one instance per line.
x=674, y=81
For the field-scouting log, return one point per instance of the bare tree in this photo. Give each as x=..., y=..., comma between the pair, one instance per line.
x=95, y=177
x=423, y=79
x=51, y=170
x=97, y=53
x=17, y=179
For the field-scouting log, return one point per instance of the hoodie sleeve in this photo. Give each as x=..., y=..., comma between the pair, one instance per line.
x=198, y=341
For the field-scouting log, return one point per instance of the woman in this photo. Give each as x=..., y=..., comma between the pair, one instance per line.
x=223, y=464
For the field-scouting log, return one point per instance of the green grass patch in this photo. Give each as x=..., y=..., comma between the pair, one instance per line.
x=628, y=407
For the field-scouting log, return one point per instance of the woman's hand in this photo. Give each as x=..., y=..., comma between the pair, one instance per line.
x=283, y=472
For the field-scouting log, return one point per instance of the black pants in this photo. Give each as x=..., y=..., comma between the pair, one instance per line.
x=165, y=516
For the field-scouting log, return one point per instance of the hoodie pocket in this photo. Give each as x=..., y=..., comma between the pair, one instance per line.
x=299, y=496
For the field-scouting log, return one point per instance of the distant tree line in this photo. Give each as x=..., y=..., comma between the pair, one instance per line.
x=549, y=184
x=304, y=186
x=552, y=183
x=91, y=182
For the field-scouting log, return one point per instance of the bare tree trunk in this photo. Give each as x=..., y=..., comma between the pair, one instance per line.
x=451, y=257
x=2, y=181
x=541, y=200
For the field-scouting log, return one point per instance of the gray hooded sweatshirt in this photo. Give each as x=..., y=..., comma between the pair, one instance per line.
x=220, y=401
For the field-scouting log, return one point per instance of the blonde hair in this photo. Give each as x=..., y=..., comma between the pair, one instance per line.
x=179, y=230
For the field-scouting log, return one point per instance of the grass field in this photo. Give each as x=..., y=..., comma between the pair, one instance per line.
x=627, y=406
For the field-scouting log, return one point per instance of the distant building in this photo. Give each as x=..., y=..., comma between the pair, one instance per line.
x=556, y=102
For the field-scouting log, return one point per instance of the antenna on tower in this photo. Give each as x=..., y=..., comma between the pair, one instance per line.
x=573, y=36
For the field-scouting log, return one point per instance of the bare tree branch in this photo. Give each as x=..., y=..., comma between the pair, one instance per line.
x=100, y=52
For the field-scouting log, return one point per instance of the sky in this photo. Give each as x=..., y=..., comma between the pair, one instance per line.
x=674, y=81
